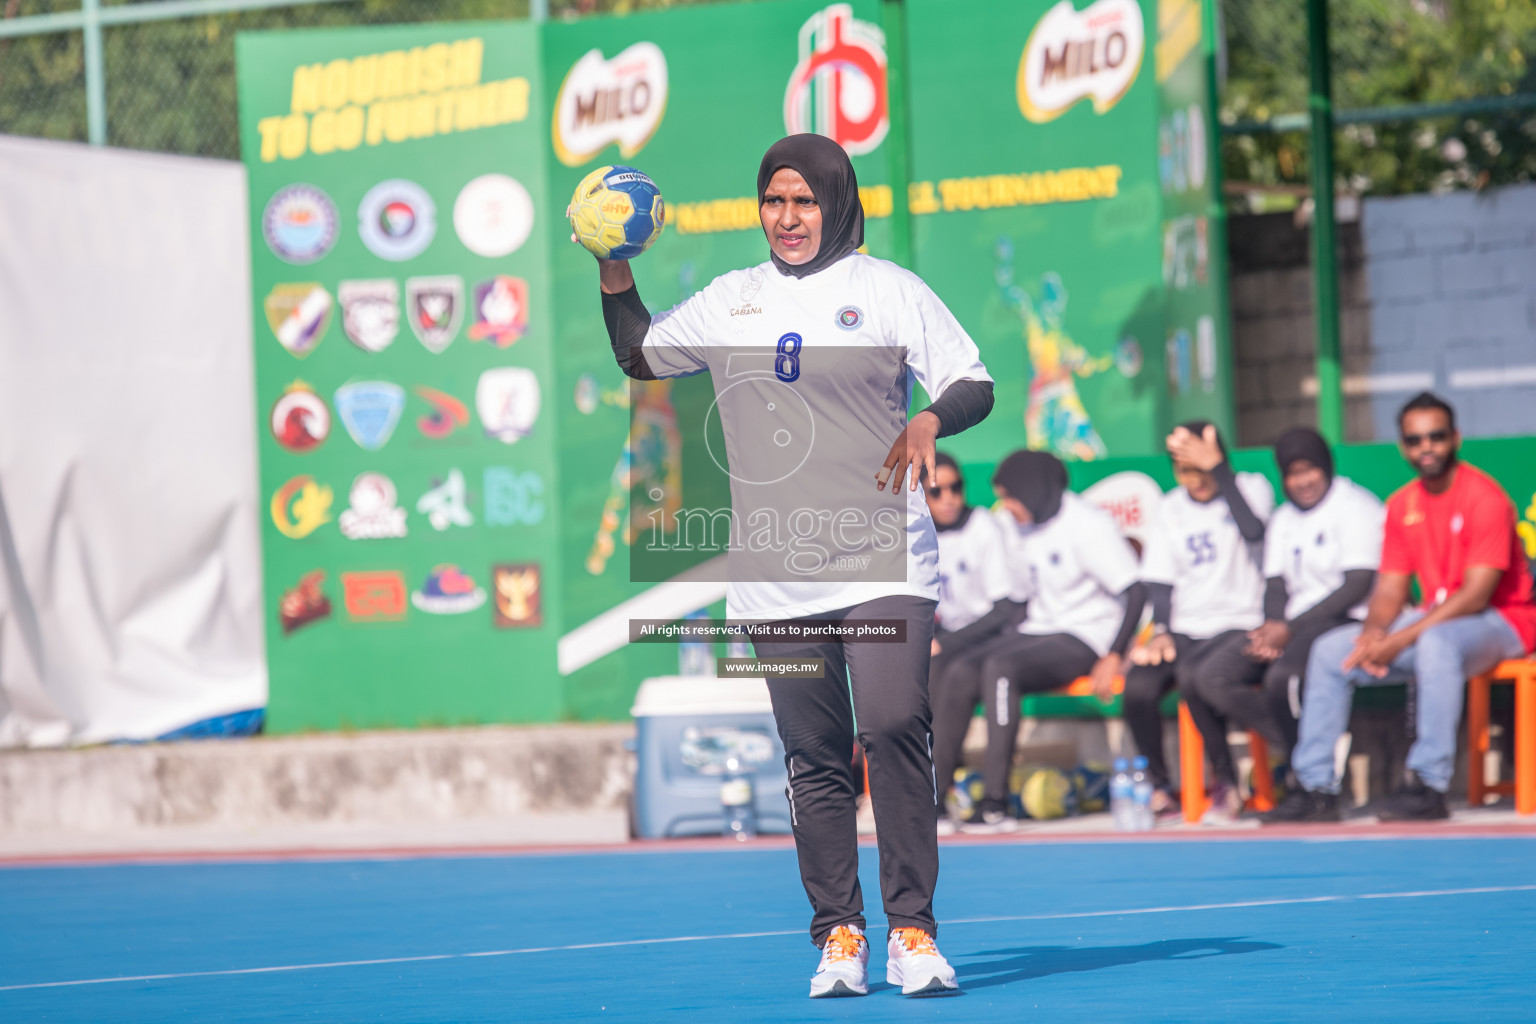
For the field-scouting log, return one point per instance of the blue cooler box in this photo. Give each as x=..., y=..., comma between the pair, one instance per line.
x=678, y=720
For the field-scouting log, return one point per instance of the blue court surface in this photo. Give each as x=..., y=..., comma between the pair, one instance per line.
x=1431, y=929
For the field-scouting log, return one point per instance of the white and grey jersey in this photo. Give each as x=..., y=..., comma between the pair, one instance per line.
x=813, y=378
x=1311, y=549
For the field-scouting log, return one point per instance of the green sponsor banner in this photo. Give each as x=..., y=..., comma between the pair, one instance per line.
x=1036, y=213
x=403, y=333
x=453, y=469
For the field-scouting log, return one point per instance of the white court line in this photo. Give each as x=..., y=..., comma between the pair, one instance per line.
x=775, y=934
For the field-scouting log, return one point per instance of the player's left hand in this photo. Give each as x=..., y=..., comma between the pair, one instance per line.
x=1198, y=450
x=915, y=449
x=1376, y=656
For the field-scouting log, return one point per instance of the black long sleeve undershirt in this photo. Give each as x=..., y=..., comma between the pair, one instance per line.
x=1161, y=595
x=1001, y=616
x=1355, y=588
x=1248, y=524
x=1135, y=597
x=963, y=404
x=627, y=321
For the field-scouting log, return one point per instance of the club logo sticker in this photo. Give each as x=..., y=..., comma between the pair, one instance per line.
x=446, y=503
x=374, y=596
x=513, y=498
x=606, y=101
x=300, y=507
x=370, y=313
x=299, y=224
x=397, y=220
x=298, y=315
x=304, y=603
x=838, y=89
x=370, y=410
x=1073, y=55
x=493, y=215
x=448, y=591
x=300, y=420
x=434, y=306
x=373, y=514
x=448, y=413
x=501, y=311
x=850, y=318
x=517, y=588
x=507, y=399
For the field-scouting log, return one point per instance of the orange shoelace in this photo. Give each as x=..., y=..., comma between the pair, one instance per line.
x=842, y=944
x=917, y=942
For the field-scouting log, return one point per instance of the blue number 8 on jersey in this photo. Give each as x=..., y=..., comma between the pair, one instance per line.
x=786, y=365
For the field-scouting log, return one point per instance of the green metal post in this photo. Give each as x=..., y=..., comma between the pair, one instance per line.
x=1325, y=269
x=893, y=16
x=1216, y=213
x=95, y=75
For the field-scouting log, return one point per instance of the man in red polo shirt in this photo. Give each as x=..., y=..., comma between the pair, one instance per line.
x=1453, y=529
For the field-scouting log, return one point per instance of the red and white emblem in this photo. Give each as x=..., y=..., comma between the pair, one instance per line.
x=839, y=87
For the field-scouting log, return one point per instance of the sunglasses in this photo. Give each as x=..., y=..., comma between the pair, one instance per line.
x=1433, y=437
x=937, y=491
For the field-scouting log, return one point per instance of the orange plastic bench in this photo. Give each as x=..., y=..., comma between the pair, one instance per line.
x=1192, y=770
x=1522, y=673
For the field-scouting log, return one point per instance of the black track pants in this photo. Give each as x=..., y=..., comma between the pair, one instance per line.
x=1221, y=689
x=1145, y=686
x=889, y=688
x=1025, y=664
x=954, y=686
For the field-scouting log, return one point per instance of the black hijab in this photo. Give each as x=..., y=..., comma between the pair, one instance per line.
x=1037, y=479
x=828, y=171
x=1303, y=443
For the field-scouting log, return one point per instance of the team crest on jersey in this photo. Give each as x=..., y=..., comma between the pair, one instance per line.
x=298, y=315
x=300, y=420
x=850, y=318
x=434, y=306
x=397, y=219
x=370, y=410
x=370, y=312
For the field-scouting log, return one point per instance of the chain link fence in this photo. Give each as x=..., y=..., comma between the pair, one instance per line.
x=170, y=85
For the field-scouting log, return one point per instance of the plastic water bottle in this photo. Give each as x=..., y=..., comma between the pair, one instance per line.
x=1121, y=807
x=693, y=657
x=737, y=807
x=1141, y=796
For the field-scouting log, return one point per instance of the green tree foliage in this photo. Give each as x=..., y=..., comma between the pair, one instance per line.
x=171, y=84
x=1385, y=53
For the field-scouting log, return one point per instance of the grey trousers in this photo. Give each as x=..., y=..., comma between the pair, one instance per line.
x=884, y=689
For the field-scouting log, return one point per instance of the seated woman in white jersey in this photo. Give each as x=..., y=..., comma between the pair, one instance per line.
x=979, y=602
x=817, y=297
x=1084, y=600
x=1320, y=555
x=1201, y=567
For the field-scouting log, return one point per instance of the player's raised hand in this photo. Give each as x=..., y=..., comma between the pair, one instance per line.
x=914, y=449
x=1198, y=450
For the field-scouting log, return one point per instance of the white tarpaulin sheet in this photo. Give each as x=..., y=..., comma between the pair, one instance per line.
x=130, y=588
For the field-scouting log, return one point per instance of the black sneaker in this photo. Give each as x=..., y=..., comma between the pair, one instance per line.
x=1414, y=802
x=1303, y=805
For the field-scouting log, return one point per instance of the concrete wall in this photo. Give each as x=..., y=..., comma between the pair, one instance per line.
x=1453, y=286
x=1437, y=293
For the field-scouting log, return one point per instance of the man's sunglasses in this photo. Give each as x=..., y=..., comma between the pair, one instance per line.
x=1433, y=437
x=937, y=490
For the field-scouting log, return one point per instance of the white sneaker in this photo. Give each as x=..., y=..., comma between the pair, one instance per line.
x=1225, y=807
x=946, y=826
x=914, y=963
x=844, y=967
